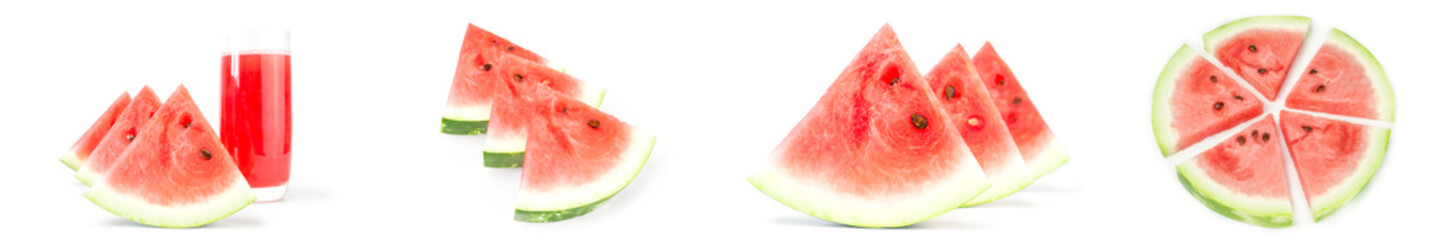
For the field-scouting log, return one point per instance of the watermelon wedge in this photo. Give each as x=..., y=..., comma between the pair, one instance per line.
x=476, y=85
x=969, y=107
x=1243, y=177
x=1344, y=79
x=1259, y=49
x=176, y=173
x=505, y=143
x=1194, y=99
x=1042, y=151
x=576, y=158
x=120, y=137
x=83, y=147
x=876, y=150
x=1334, y=159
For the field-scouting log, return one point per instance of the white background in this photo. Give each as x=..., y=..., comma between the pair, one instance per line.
x=721, y=83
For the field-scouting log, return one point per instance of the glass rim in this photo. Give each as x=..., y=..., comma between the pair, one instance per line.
x=269, y=40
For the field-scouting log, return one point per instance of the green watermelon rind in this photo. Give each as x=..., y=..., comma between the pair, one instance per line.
x=563, y=204
x=504, y=159
x=1163, y=93
x=463, y=126
x=1267, y=213
x=71, y=160
x=824, y=203
x=137, y=209
x=1375, y=72
x=511, y=153
x=1336, y=197
x=1213, y=39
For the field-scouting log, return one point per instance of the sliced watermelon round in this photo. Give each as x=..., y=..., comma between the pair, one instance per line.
x=1042, y=151
x=1195, y=99
x=120, y=137
x=1259, y=49
x=876, y=150
x=576, y=158
x=970, y=109
x=1344, y=79
x=1243, y=177
x=80, y=151
x=176, y=173
x=1334, y=159
x=505, y=143
x=467, y=111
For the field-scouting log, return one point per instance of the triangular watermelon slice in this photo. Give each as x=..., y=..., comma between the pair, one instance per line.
x=1243, y=177
x=477, y=84
x=876, y=150
x=121, y=135
x=576, y=158
x=176, y=173
x=1344, y=79
x=1194, y=99
x=1259, y=49
x=969, y=107
x=80, y=151
x=1334, y=159
x=1042, y=151
x=505, y=143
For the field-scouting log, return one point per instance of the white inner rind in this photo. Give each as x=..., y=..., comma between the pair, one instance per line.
x=629, y=163
x=592, y=94
x=1013, y=177
x=1346, y=190
x=1052, y=155
x=1163, y=94
x=86, y=175
x=1243, y=204
x=138, y=209
x=1214, y=39
x=505, y=142
x=475, y=113
x=819, y=199
x=71, y=160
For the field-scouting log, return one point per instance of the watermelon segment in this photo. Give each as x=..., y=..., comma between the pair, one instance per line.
x=969, y=107
x=1243, y=177
x=1194, y=99
x=505, y=143
x=1042, y=151
x=876, y=150
x=78, y=153
x=576, y=158
x=1344, y=79
x=467, y=111
x=120, y=137
x=1259, y=49
x=176, y=173
x=1334, y=159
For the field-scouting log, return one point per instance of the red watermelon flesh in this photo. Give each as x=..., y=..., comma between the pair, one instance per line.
x=121, y=135
x=475, y=85
x=1334, y=159
x=1259, y=49
x=1343, y=79
x=969, y=107
x=1243, y=177
x=83, y=147
x=576, y=158
x=506, y=140
x=1200, y=101
x=1042, y=151
x=876, y=150
x=175, y=174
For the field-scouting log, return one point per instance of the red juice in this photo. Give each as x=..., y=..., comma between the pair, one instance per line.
x=257, y=125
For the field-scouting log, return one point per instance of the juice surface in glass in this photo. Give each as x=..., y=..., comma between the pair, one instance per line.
x=257, y=126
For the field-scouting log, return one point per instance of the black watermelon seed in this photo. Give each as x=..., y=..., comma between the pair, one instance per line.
x=187, y=124
x=1212, y=78
x=1252, y=48
x=511, y=48
x=1000, y=80
x=949, y=92
x=1307, y=128
x=519, y=77
x=1016, y=100
x=1241, y=139
x=130, y=137
x=1237, y=97
x=895, y=81
x=485, y=67
x=918, y=121
x=206, y=155
x=1217, y=105
x=1263, y=71
x=1320, y=88
x=1255, y=133
x=1265, y=137
x=593, y=123
x=1312, y=71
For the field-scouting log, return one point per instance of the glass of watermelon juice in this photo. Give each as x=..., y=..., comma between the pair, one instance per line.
x=257, y=125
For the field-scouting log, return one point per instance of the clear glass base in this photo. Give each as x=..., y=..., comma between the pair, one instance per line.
x=270, y=194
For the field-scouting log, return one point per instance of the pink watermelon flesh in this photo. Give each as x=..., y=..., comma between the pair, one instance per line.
x=1247, y=174
x=176, y=172
x=969, y=107
x=876, y=150
x=511, y=115
x=1328, y=153
x=1206, y=101
x=1033, y=137
x=476, y=85
x=81, y=150
x=1335, y=83
x=121, y=135
x=1261, y=56
x=576, y=158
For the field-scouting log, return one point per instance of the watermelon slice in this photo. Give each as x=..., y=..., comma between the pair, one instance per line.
x=1344, y=79
x=1243, y=177
x=1334, y=159
x=876, y=150
x=78, y=153
x=969, y=107
x=476, y=85
x=505, y=143
x=1195, y=99
x=1259, y=49
x=1042, y=151
x=121, y=135
x=176, y=173
x=576, y=158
